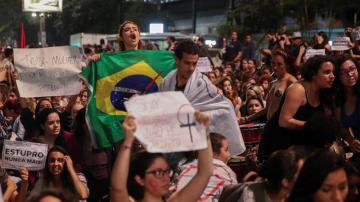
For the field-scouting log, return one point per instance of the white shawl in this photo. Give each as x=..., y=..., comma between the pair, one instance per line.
x=205, y=97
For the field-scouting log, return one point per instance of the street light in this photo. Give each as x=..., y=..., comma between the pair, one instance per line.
x=42, y=33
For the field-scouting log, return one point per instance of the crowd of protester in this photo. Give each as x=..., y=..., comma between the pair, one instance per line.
x=307, y=112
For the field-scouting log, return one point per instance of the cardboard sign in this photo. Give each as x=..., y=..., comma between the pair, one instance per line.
x=166, y=122
x=48, y=71
x=18, y=154
x=313, y=52
x=204, y=65
x=340, y=44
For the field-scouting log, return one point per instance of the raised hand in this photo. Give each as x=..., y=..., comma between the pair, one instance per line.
x=129, y=126
x=69, y=162
x=24, y=174
x=202, y=118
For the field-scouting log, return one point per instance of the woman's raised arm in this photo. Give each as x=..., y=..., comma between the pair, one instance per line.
x=120, y=172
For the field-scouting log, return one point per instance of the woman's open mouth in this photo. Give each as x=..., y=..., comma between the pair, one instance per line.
x=133, y=36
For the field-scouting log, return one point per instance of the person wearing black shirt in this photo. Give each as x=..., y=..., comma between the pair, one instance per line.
x=233, y=49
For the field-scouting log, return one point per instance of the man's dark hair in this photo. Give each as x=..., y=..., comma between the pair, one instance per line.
x=186, y=46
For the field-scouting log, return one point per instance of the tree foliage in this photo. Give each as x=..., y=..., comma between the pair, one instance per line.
x=270, y=15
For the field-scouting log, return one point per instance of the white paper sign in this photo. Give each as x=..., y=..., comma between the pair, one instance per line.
x=204, y=65
x=18, y=154
x=340, y=43
x=166, y=123
x=312, y=52
x=48, y=71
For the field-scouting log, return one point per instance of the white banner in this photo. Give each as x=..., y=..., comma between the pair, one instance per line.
x=166, y=122
x=48, y=71
x=204, y=65
x=18, y=154
x=340, y=44
x=312, y=52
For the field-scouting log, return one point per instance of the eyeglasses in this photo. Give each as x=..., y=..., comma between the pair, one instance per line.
x=351, y=71
x=161, y=173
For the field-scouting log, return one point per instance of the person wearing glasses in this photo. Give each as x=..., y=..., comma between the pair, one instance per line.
x=60, y=176
x=348, y=86
x=148, y=176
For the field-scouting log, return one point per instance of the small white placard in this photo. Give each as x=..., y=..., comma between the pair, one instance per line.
x=340, y=44
x=204, y=65
x=18, y=154
x=312, y=52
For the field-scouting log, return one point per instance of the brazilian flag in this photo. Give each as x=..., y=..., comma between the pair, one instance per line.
x=112, y=80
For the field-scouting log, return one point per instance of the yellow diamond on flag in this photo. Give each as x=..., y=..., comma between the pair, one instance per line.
x=113, y=90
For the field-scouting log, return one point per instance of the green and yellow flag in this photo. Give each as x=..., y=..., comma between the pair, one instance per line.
x=112, y=80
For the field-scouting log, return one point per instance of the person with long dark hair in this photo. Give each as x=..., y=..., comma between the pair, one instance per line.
x=348, y=111
x=60, y=176
x=278, y=176
x=147, y=178
x=301, y=101
x=321, y=179
x=50, y=130
x=229, y=92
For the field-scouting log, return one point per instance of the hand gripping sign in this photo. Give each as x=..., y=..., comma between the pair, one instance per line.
x=18, y=154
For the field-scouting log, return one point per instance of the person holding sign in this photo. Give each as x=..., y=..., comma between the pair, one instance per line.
x=149, y=177
x=321, y=42
x=59, y=175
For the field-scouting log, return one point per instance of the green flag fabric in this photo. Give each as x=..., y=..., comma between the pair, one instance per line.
x=112, y=80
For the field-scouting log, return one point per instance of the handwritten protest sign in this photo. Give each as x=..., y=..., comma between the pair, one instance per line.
x=312, y=52
x=48, y=71
x=340, y=43
x=166, y=123
x=18, y=154
x=204, y=65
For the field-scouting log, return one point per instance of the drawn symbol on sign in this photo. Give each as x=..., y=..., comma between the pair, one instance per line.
x=185, y=120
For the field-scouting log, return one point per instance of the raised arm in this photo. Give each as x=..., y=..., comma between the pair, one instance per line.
x=193, y=190
x=294, y=98
x=24, y=173
x=119, y=176
x=80, y=188
x=299, y=56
